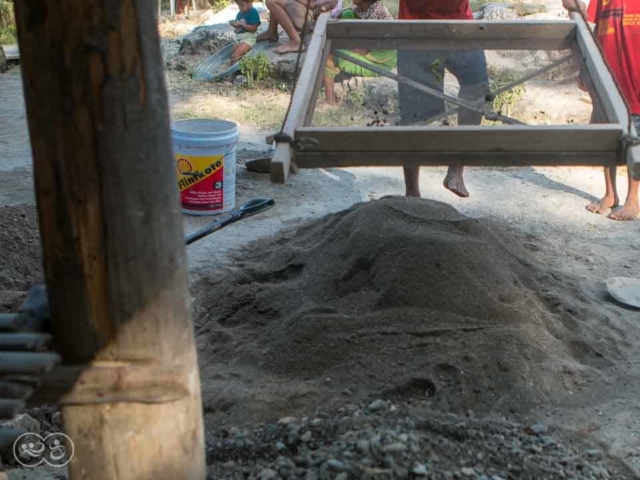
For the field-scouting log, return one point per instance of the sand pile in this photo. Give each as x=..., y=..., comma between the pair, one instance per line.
x=399, y=298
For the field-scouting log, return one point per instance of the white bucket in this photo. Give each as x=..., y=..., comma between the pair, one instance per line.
x=205, y=154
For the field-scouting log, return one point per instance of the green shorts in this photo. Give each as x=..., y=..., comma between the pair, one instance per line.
x=248, y=38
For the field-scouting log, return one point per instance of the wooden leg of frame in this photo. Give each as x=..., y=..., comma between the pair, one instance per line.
x=281, y=163
x=313, y=101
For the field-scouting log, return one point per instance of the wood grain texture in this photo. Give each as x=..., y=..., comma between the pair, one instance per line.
x=512, y=138
x=281, y=161
x=112, y=234
x=449, y=34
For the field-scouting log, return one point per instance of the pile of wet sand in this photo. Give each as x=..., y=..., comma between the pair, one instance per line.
x=399, y=298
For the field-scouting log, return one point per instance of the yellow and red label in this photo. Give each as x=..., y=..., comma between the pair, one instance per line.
x=201, y=182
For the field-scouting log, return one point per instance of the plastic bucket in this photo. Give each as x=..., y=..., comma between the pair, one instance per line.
x=205, y=154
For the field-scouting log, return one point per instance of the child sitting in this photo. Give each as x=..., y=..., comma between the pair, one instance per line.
x=385, y=59
x=246, y=25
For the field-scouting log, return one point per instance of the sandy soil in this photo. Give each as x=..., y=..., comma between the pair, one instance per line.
x=543, y=206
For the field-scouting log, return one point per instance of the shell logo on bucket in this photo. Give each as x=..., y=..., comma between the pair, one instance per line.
x=201, y=181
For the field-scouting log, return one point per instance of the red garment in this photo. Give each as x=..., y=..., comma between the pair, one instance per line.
x=618, y=29
x=435, y=10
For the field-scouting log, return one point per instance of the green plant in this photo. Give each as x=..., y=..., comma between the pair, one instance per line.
x=255, y=67
x=505, y=102
x=8, y=33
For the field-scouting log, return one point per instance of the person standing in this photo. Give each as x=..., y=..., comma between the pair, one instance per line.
x=428, y=67
x=618, y=31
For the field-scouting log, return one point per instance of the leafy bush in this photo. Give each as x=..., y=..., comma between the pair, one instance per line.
x=8, y=32
x=255, y=67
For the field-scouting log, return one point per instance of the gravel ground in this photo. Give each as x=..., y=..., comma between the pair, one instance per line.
x=386, y=441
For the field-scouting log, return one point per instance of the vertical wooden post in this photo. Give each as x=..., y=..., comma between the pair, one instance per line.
x=111, y=230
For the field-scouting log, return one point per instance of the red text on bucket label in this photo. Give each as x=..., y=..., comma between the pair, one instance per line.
x=201, y=181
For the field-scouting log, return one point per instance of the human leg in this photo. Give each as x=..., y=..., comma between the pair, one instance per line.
x=470, y=68
x=330, y=73
x=610, y=199
x=631, y=208
x=415, y=105
x=271, y=35
x=240, y=49
x=291, y=14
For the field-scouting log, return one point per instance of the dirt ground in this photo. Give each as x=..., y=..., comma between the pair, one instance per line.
x=575, y=354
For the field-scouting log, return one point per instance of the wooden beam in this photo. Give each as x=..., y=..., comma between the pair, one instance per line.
x=11, y=322
x=10, y=408
x=313, y=100
x=27, y=363
x=11, y=53
x=281, y=161
x=24, y=341
x=113, y=241
x=606, y=88
x=347, y=159
x=448, y=34
x=588, y=138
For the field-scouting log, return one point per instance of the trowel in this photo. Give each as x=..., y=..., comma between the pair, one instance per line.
x=248, y=209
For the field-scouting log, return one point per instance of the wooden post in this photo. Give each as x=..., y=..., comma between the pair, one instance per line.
x=112, y=234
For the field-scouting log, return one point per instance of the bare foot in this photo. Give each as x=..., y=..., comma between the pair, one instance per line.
x=289, y=47
x=412, y=193
x=268, y=37
x=626, y=213
x=455, y=183
x=602, y=206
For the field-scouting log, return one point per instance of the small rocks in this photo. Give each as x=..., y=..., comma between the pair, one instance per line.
x=267, y=474
x=377, y=405
x=336, y=465
x=420, y=470
x=286, y=420
x=539, y=429
x=370, y=442
x=240, y=81
x=23, y=422
x=396, y=447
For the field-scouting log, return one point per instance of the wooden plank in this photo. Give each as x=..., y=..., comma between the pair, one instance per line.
x=451, y=34
x=11, y=322
x=11, y=53
x=281, y=161
x=313, y=100
x=24, y=341
x=14, y=390
x=10, y=408
x=511, y=138
x=9, y=435
x=345, y=159
x=22, y=363
x=606, y=88
x=113, y=241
